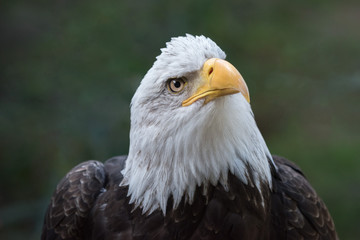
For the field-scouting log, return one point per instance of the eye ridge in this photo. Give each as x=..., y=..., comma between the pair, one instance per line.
x=176, y=85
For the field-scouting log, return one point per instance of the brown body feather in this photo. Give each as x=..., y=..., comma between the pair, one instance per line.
x=89, y=204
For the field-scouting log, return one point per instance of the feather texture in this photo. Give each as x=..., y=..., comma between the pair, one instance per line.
x=292, y=210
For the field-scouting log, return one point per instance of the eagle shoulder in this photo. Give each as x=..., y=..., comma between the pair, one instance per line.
x=73, y=200
x=297, y=211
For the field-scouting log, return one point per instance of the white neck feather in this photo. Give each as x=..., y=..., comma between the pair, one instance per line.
x=174, y=155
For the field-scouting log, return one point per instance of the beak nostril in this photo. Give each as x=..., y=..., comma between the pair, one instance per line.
x=210, y=71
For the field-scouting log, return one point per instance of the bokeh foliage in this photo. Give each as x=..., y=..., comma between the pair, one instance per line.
x=69, y=69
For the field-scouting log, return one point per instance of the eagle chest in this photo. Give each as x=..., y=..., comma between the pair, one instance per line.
x=216, y=214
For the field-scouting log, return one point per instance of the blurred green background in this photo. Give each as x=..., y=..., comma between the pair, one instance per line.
x=70, y=68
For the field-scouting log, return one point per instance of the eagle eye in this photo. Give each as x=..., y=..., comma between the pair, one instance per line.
x=176, y=85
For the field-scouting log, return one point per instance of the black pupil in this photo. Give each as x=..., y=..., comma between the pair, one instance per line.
x=177, y=84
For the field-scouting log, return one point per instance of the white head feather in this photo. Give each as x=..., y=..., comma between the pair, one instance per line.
x=174, y=149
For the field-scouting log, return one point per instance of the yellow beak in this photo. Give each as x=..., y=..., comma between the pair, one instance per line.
x=218, y=78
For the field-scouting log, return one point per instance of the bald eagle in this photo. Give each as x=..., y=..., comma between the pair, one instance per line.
x=197, y=168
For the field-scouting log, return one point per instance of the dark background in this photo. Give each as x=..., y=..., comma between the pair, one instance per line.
x=69, y=69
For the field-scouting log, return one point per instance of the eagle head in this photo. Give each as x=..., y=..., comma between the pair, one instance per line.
x=191, y=125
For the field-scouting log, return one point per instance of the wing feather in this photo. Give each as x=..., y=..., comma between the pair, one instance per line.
x=72, y=201
x=296, y=205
